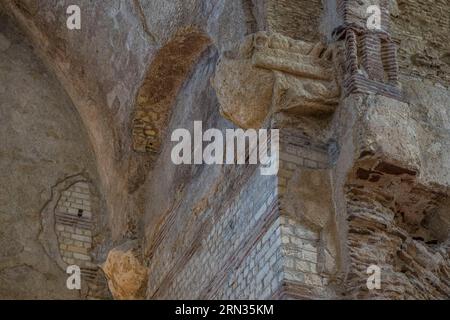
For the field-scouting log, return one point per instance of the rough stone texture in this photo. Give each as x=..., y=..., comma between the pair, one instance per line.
x=127, y=277
x=421, y=28
x=269, y=73
x=364, y=137
x=368, y=57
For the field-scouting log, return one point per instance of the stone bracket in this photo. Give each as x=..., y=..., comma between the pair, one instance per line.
x=269, y=73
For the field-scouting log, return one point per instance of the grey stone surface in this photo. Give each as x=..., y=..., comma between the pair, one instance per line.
x=363, y=179
x=42, y=143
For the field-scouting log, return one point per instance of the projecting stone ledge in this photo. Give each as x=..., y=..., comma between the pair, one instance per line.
x=268, y=73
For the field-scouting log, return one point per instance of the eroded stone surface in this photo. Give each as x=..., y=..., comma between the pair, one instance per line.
x=394, y=201
x=270, y=73
x=43, y=144
x=127, y=277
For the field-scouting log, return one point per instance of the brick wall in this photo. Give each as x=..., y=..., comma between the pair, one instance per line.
x=421, y=30
x=302, y=250
x=228, y=229
x=298, y=19
x=370, y=55
x=74, y=226
x=241, y=245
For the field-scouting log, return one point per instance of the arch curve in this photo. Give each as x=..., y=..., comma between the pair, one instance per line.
x=164, y=78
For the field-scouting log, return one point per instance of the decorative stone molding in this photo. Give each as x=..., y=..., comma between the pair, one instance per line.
x=269, y=73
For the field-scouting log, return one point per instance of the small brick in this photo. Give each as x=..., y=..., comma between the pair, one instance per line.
x=67, y=254
x=66, y=241
x=78, y=243
x=77, y=249
x=80, y=238
x=313, y=279
x=302, y=266
x=81, y=256
x=72, y=211
x=309, y=256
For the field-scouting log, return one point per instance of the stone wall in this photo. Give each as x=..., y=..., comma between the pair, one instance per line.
x=245, y=246
x=298, y=19
x=420, y=28
x=364, y=173
x=73, y=224
x=43, y=146
x=225, y=231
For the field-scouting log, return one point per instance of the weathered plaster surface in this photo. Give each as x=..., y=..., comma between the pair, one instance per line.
x=364, y=162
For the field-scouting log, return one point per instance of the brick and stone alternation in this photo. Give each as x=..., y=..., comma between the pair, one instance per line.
x=298, y=19
x=421, y=30
x=370, y=55
x=242, y=246
x=74, y=225
x=224, y=230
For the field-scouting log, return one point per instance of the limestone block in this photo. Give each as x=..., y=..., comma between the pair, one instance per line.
x=308, y=197
x=127, y=277
x=4, y=43
x=268, y=72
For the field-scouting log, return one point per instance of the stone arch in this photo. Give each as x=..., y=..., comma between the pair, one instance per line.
x=164, y=78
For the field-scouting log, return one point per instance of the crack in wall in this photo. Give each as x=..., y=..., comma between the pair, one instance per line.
x=142, y=17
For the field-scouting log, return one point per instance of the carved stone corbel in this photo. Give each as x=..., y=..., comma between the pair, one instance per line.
x=269, y=73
